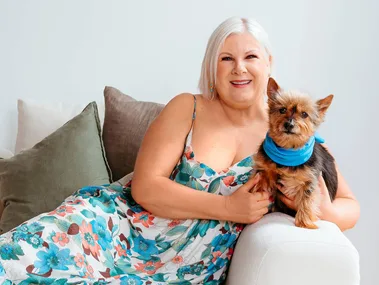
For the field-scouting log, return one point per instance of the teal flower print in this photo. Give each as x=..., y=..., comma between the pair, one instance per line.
x=104, y=201
x=127, y=196
x=217, y=265
x=23, y=228
x=131, y=280
x=145, y=247
x=99, y=227
x=33, y=279
x=201, y=228
x=188, y=175
x=246, y=162
x=19, y=235
x=2, y=271
x=223, y=241
x=98, y=197
x=242, y=178
x=34, y=240
x=193, y=269
x=35, y=227
x=53, y=258
x=208, y=171
x=10, y=251
x=89, y=191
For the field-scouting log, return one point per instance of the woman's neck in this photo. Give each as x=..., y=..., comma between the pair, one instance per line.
x=258, y=111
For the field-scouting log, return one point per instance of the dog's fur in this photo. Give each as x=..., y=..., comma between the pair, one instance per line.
x=293, y=119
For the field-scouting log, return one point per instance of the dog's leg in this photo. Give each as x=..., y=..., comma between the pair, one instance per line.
x=307, y=206
x=262, y=183
x=302, y=188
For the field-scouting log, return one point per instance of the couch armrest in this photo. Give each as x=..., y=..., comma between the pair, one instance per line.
x=274, y=251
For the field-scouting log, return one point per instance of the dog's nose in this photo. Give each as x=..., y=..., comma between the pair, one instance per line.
x=289, y=125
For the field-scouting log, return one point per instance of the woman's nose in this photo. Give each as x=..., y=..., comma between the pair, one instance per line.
x=239, y=67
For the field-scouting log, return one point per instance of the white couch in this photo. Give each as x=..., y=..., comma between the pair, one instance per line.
x=274, y=251
x=270, y=252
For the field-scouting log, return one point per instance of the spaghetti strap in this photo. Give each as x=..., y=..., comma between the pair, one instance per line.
x=189, y=136
x=194, y=109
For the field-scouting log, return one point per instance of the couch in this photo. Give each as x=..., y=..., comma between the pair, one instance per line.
x=272, y=251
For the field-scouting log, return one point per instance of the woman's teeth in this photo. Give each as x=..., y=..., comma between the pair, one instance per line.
x=241, y=82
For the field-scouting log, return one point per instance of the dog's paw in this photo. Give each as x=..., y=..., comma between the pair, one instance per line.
x=303, y=220
x=305, y=223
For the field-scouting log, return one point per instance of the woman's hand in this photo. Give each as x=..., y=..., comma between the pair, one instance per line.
x=326, y=206
x=245, y=207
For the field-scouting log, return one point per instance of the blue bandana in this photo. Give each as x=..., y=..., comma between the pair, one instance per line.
x=290, y=157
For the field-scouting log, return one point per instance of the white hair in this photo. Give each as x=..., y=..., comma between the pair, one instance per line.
x=233, y=25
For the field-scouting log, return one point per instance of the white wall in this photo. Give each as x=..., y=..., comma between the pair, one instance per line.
x=69, y=50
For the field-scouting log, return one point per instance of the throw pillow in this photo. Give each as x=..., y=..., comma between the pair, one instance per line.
x=125, y=124
x=4, y=153
x=38, y=180
x=37, y=120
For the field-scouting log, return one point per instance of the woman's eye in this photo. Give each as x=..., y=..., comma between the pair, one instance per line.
x=282, y=110
x=226, y=58
x=251, y=56
x=304, y=115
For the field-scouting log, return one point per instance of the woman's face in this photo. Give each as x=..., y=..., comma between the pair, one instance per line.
x=243, y=69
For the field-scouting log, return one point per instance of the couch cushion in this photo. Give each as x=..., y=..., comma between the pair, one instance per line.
x=37, y=120
x=4, y=153
x=37, y=180
x=125, y=124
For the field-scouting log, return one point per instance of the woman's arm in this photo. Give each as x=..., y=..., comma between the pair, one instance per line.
x=160, y=151
x=344, y=211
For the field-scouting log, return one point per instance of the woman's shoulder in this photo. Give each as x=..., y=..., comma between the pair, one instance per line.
x=184, y=98
x=185, y=102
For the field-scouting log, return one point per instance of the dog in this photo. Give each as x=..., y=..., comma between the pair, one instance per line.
x=292, y=156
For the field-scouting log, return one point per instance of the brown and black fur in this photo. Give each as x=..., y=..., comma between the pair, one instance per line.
x=298, y=182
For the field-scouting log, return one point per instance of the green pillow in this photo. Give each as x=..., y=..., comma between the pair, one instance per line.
x=38, y=180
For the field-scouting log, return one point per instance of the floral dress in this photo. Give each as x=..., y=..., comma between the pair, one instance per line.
x=100, y=235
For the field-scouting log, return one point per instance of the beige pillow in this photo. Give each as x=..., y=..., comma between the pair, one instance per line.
x=37, y=120
x=125, y=124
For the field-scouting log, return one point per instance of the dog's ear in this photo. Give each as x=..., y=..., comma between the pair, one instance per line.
x=323, y=105
x=272, y=88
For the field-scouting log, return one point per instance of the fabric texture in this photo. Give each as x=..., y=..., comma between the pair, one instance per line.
x=39, y=179
x=125, y=124
x=37, y=120
x=100, y=235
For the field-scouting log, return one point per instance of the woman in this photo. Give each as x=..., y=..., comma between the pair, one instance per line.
x=159, y=229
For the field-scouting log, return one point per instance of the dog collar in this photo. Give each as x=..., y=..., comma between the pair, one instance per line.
x=290, y=157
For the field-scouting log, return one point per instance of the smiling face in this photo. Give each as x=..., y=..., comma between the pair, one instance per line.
x=243, y=69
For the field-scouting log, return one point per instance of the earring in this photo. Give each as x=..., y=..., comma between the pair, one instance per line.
x=211, y=88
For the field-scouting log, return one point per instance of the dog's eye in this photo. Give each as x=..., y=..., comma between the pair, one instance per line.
x=282, y=110
x=304, y=115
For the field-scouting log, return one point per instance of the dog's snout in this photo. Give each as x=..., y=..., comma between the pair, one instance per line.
x=288, y=125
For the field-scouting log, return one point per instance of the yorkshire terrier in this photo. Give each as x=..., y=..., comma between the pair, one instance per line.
x=292, y=157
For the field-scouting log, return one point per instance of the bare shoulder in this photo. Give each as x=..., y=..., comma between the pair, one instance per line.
x=162, y=145
x=180, y=108
x=182, y=100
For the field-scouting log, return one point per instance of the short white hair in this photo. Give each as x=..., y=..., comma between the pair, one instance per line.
x=233, y=25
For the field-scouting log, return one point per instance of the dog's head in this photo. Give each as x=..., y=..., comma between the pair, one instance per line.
x=293, y=116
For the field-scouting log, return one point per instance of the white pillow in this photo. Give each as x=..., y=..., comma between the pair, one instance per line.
x=38, y=120
x=4, y=153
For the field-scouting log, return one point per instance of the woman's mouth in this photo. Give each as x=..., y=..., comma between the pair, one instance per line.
x=240, y=83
